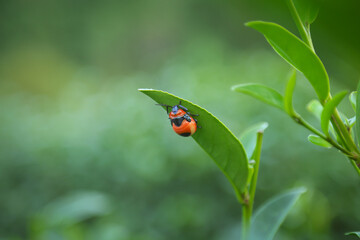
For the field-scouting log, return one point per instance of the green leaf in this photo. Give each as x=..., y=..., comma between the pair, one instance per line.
x=307, y=10
x=353, y=233
x=352, y=99
x=248, y=137
x=268, y=218
x=329, y=110
x=261, y=92
x=296, y=53
x=215, y=138
x=315, y=107
x=288, y=98
x=318, y=141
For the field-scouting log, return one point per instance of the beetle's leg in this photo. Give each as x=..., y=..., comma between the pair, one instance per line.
x=183, y=108
x=187, y=118
x=193, y=115
x=165, y=105
x=196, y=123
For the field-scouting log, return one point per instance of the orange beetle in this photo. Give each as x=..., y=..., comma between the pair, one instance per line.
x=181, y=120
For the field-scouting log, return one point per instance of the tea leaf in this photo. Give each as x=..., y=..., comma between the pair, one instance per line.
x=288, y=98
x=261, y=92
x=215, y=138
x=268, y=218
x=329, y=110
x=319, y=141
x=297, y=54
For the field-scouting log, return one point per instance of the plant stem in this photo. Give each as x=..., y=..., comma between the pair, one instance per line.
x=351, y=152
x=355, y=166
x=305, y=124
x=256, y=157
x=246, y=218
x=249, y=200
x=345, y=133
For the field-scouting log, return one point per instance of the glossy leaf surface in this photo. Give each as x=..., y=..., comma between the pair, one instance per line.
x=329, y=110
x=261, y=92
x=214, y=137
x=296, y=53
x=268, y=218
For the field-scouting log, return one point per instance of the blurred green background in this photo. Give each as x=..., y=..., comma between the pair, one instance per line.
x=84, y=155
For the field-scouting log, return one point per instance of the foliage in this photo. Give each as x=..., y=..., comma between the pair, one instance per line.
x=229, y=154
x=300, y=54
x=71, y=119
x=216, y=139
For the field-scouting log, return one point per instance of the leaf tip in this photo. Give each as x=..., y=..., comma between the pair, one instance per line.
x=233, y=88
x=144, y=89
x=264, y=126
x=247, y=24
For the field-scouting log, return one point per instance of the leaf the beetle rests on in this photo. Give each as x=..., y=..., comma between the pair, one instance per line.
x=268, y=218
x=296, y=53
x=215, y=138
x=261, y=92
x=329, y=109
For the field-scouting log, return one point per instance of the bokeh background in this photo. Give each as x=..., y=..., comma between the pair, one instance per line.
x=84, y=155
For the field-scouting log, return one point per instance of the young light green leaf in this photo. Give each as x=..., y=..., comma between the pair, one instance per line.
x=352, y=99
x=319, y=141
x=329, y=110
x=215, y=138
x=315, y=107
x=261, y=92
x=248, y=137
x=353, y=233
x=288, y=98
x=296, y=53
x=268, y=218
